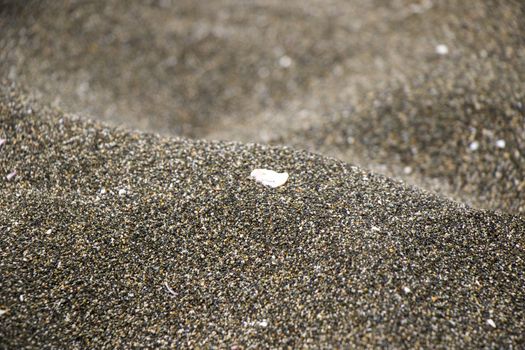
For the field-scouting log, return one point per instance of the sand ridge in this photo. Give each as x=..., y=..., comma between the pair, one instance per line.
x=140, y=229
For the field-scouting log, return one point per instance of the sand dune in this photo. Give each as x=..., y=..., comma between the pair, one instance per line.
x=125, y=222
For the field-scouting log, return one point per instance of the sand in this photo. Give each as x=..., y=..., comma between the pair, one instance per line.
x=400, y=225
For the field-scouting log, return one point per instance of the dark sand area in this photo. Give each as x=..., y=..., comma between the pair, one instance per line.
x=126, y=223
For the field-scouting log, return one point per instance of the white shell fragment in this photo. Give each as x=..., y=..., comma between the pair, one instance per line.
x=269, y=177
x=491, y=323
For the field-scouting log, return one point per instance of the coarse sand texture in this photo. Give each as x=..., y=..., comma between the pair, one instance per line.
x=262, y=175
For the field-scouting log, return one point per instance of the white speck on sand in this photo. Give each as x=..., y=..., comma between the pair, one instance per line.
x=407, y=170
x=269, y=177
x=262, y=323
x=473, y=146
x=3, y=312
x=442, y=49
x=2, y=141
x=21, y=297
x=501, y=143
x=170, y=290
x=102, y=190
x=406, y=290
x=491, y=323
x=122, y=192
x=285, y=61
x=11, y=175
x=375, y=228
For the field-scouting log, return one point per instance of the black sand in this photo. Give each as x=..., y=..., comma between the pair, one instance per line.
x=111, y=238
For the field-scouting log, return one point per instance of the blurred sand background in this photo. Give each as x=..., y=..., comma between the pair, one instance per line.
x=358, y=80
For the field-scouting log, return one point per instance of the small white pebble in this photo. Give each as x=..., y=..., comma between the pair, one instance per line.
x=122, y=192
x=2, y=312
x=407, y=170
x=375, y=228
x=474, y=145
x=491, y=323
x=285, y=61
x=102, y=190
x=263, y=323
x=48, y=232
x=11, y=175
x=2, y=141
x=21, y=297
x=406, y=290
x=442, y=49
x=269, y=177
x=501, y=143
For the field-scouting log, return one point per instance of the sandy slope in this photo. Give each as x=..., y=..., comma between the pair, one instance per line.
x=97, y=224
x=112, y=238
